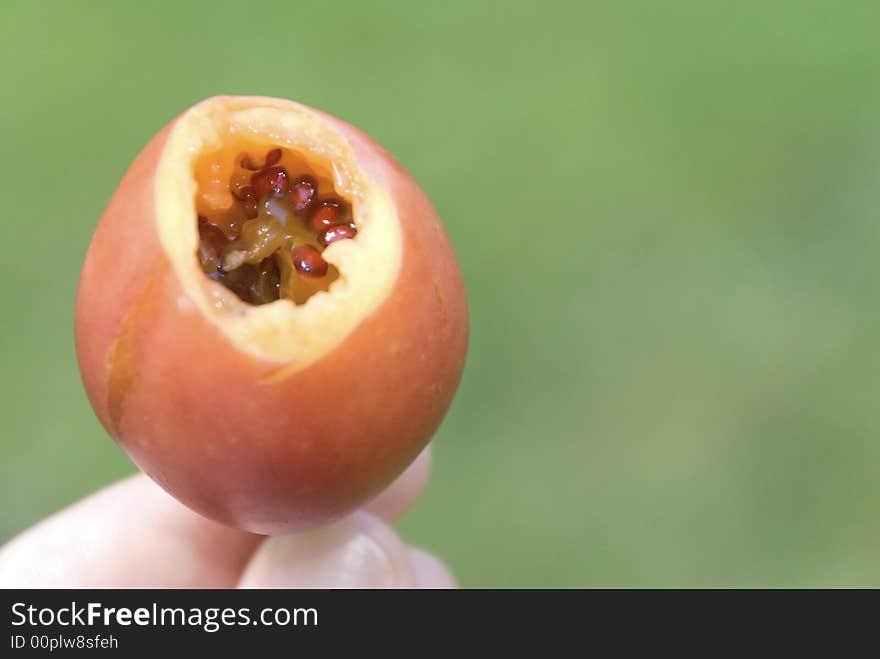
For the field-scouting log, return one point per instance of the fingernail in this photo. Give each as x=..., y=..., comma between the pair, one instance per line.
x=360, y=551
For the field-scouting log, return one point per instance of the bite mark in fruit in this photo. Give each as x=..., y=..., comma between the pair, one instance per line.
x=262, y=244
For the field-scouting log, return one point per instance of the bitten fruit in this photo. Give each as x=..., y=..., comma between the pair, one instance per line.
x=270, y=319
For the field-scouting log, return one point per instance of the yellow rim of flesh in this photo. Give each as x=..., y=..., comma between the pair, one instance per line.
x=279, y=331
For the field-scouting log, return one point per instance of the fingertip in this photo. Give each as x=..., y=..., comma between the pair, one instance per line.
x=429, y=571
x=399, y=497
x=360, y=551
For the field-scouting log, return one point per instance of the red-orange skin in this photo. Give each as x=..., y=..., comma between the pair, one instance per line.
x=193, y=410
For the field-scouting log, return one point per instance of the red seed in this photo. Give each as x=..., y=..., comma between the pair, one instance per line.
x=246, y=163
x=212, y=235
x=342, y=232
x=303, y=193
x=273, y=157
x=250, y=208
x=327, y=215
x=244, y=193
x=248, y=198
x=308, y=261
x=270, y=181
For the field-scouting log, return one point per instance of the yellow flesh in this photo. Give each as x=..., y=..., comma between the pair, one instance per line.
x=213, y=172
x=279, y=331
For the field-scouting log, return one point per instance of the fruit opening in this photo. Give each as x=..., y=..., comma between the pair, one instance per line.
x=195, y=176
x=264, y=218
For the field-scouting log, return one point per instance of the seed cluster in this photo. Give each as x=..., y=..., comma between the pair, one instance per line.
x=268, y=244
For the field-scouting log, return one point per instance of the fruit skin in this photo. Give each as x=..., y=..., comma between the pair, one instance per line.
x=199, y=415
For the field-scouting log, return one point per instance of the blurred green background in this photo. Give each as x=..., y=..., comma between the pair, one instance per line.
x=666, y=214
